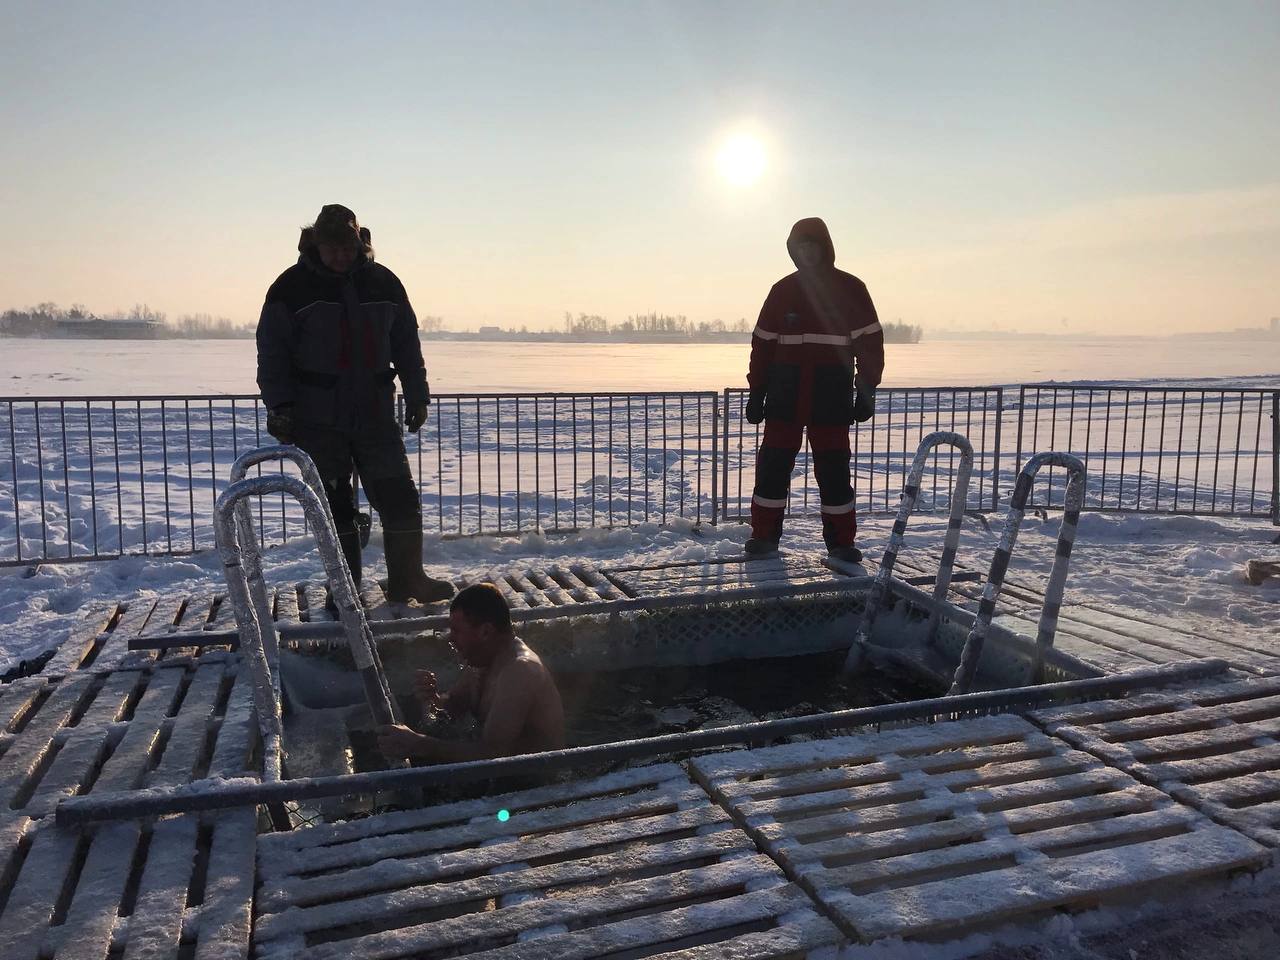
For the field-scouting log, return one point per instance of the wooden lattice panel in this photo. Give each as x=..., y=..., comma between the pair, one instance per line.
x=926, y=832
x=1215, y=747
x=176, y=886
x=636, y=861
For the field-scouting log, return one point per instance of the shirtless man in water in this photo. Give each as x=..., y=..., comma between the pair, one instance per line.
x=505, y=686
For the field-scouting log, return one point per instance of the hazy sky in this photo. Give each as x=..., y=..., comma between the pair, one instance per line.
x=1108, y=166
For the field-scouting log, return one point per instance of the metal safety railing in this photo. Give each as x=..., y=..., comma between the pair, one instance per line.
x=1198, y=451
x=97, y=477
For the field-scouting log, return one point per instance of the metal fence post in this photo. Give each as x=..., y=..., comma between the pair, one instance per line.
x=1275, y=458
x=995, y=472
x=724, y=490
x=1022, y=405
x=715, y=457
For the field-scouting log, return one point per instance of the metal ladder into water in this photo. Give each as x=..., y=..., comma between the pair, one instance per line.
x=1048, y=623
x=241, y=557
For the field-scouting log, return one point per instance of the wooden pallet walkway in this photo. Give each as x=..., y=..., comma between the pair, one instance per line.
x=1108, y=636
x=1215, y=747
x=179, y=886
x=640, y=861
x=929, y=832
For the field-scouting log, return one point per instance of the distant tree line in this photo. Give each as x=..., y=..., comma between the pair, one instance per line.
x=594, y=326
x=50, y=320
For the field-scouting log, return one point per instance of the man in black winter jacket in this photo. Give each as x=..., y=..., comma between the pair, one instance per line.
x=335, y=332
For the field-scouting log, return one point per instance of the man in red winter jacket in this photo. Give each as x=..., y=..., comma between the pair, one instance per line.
x=817, y=355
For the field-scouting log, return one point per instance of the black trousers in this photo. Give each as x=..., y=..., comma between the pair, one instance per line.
x=384, y=472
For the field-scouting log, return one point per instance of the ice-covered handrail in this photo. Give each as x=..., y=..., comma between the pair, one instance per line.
x=251, y=555
x=359, y=637
x=910, y=492
x=1074, y=501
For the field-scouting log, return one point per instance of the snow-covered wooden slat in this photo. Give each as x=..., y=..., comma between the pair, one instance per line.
x=127, y=765
x=81, y=641
x=311, y=605
x=802, y=930
x=114, y=651
x=580, y=590
x=437, y=888
x=416, y=843
x=603, y=586
x=532, y=593
x=374, y=600
x=34, y=744
x=892, y=830
x=550, y=588
x=192, y=885
x=37, y=891
x=83, y=745
x=636, y=860
x=274, y=845
x=1215, y=747
x=238, y=731
x=17, y=698
x=188, y=735
x=199, y=613
x=222, y=928
x=286, y=608
x=496, y=854
x=951, y=905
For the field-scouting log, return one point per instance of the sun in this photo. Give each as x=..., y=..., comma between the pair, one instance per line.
x=741, y=159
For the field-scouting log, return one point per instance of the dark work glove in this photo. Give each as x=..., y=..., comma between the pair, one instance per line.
x=415, y=415
x=755, y=406
x=863, y=407
x=280, y=422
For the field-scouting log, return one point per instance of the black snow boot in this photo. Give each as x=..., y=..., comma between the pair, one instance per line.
x=760, y=547
x=406, y=580
x=849, y=554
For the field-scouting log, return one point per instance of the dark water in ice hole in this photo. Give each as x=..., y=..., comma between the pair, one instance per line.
x=630, y=704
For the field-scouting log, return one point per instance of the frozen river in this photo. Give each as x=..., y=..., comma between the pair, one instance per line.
x=129, y=367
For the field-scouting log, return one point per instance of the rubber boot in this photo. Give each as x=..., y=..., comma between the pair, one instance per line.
x=406, y=580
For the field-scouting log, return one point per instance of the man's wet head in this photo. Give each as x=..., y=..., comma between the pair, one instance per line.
x=338, y=238
x=479, y=624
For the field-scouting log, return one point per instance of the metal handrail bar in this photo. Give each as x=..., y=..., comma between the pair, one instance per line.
x=251, y=554
x=221, y=794
x=960, y=491
x=1073, y=503
x=250, y=628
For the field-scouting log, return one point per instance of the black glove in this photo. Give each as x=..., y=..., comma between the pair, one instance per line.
x=415, y=415
x=755, y=406
x=280, y=422
x=863, y=405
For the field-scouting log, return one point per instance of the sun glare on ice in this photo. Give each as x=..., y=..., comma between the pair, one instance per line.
x=741, y=159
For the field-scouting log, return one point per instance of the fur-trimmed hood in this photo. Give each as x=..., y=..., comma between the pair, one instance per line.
x=309, y=253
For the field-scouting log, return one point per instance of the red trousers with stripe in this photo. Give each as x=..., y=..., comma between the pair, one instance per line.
x=774, y=464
